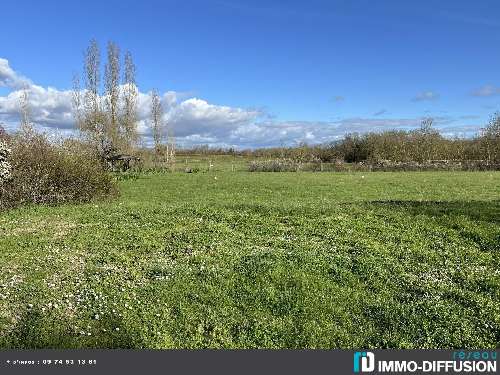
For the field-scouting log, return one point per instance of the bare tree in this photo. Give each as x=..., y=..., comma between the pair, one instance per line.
x=130, y=94
x=112, y=93
x=156, y=121
x=107, y=114
x=426, y=126
x=25, y=111
x=427, y=135
x=94, y=119
x=170, y=145
x=77, y=102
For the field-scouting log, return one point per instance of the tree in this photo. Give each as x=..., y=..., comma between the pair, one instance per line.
x=25, y=111
x=492, y=130
x=77, y=103
x=112, y=93
x=491, y=138
x=156, y=121
x=427, y=136
x=130, y=94
x=108, y=118
x=92, y=116
x=170, y=145
x=426, y=126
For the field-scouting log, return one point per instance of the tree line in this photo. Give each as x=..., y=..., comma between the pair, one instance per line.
x=420, y=145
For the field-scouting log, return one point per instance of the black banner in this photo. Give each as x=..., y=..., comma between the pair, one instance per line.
x=222, y=362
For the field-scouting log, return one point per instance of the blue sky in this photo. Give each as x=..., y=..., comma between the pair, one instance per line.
x=319, y=68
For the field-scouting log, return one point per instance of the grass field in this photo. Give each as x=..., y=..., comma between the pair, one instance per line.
x=259, y=260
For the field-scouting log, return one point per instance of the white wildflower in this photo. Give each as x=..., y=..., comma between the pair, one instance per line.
x=5, y=167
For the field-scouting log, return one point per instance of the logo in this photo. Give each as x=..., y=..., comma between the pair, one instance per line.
x=364, y=362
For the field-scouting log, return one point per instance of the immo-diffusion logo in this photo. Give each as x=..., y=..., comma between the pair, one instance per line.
x=458, y=362
x=364, y=361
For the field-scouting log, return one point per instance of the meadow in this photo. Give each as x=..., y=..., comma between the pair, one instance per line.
x=225, y=259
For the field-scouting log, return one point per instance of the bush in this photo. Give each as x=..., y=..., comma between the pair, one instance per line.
x=3, y=133
x=5, y=166
x=49, y=173
x=278, y=165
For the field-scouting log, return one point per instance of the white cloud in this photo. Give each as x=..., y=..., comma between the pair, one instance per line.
x=195, y=121
x=196, y=116
x=193, y=118
x=487, y=90
x=9, y=78
x=49, y=107
x=426, y=95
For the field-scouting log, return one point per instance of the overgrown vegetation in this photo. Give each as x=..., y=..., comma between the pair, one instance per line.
x=424, y=149
x=420, y=149
x=288, y=165
x=421, y=145
x=279, y=165
x=50, y=172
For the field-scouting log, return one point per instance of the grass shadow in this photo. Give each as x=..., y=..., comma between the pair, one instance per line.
x=488, y=211
x=35, y=330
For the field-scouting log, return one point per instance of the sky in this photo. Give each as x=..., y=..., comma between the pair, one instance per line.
x=253, y=73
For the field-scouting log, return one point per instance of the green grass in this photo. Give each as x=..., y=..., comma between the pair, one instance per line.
x=259, y=260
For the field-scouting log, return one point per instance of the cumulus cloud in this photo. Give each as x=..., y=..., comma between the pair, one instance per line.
x=49, y=107
x=196, y=116
x=9, y=78
x=485, y=91
x=192, y=118
x=425, y=95
x=196, y=121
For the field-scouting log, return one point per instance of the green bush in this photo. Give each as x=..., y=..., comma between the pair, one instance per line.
x=45, y=172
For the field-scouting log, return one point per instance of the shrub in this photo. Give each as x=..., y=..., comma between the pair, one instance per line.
x=277, y=165
x=5, y=166
x=3, y=133
x=49, y=173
